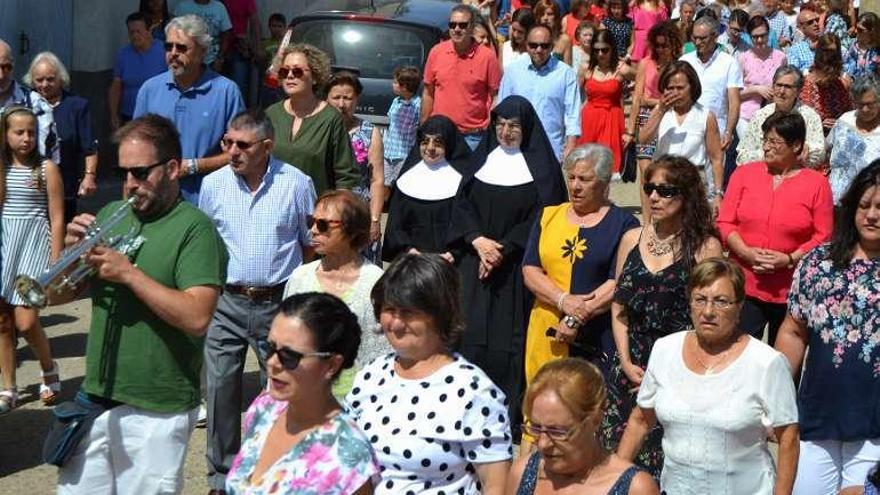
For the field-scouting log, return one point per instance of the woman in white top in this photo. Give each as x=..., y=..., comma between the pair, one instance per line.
x=716, y=390
x=340, y=228
x=515, y=47
x=685, y=128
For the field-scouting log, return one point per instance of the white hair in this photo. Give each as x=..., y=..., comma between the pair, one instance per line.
x=53, y=60
x=600, y=156
x=192, y=26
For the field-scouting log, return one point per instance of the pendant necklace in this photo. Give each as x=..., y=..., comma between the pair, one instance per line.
x=660, y=247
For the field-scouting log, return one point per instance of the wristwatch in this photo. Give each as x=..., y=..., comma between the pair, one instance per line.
x=571, y=321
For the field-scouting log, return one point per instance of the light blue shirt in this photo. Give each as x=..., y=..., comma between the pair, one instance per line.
x=200, y=113
x=552, y=90
x=264, y=232
x=215, y=16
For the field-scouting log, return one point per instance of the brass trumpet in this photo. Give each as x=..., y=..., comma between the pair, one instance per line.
x=58, y=276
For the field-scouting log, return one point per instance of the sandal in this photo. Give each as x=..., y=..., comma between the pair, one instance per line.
x=8, y=400
x=49, y=391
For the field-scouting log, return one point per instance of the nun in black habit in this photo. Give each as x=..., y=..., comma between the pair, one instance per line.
x=421, y=204
x=517, y=176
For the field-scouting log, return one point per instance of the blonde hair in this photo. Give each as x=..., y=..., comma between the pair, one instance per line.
x=319, y=64
x=579, y=385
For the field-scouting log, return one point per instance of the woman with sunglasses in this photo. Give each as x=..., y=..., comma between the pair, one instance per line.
x=683, y=127
x=650, y=299
x=565, y=404
x=773, y=213
x=309, y=133
x=602, y=120
x=420, y=208
x=340, y=228
x=716, y=391
x=297, y=438
x=863, y=57
x=437, y=422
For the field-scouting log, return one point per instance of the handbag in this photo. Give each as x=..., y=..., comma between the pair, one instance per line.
x=73, y=420
x=629, y=167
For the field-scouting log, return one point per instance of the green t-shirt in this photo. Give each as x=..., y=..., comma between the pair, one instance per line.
x=321, y=148
x=133, y=356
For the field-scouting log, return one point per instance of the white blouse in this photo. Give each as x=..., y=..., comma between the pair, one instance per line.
x=714, y=434
x=688, y=139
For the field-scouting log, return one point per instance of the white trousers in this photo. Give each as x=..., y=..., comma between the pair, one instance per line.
x=827, y=466
x=130, y=451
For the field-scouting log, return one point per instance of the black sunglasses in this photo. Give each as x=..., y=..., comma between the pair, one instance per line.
x=296, y=72
x=322, y=224
x=242, y=145
x=459, y=25
x=141, y=173
x=289, y=358
x=606, y=49
x=535, y=46
x=181, y=48
x=663, y=190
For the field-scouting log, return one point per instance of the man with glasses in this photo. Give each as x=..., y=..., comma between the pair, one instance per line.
x=787, y=84
x=152, y=300
x=260, y=206
x=461, y=78
x=199, y=101
x=802, y=53
x=551, y=87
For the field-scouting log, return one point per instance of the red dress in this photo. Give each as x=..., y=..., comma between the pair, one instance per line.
x=602, y=117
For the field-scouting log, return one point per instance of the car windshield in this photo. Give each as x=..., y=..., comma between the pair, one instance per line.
x=375, y=49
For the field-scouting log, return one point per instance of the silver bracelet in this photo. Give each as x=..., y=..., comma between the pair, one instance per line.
x=560, y=300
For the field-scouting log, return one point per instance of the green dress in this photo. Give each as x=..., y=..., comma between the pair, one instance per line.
x=321, y=148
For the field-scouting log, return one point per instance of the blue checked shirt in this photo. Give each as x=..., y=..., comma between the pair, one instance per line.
x=780, y=27
x=552, y=90
x=801, y=55
x=264, y=232
x=403, y=117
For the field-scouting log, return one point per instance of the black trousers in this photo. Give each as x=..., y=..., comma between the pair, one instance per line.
x=757, y=314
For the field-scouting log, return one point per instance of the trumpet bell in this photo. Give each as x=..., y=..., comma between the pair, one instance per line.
x=31, y=291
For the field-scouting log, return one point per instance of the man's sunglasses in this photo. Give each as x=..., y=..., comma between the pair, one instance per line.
x=242, y=145
x=289, y=358
x=535, y=46
x=181, y=48
x=322, y=224
x=141, y=173
x=459, y=25
x=663, y=190
x=296, y=72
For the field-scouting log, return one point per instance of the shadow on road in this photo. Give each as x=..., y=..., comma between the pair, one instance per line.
x=63, y=346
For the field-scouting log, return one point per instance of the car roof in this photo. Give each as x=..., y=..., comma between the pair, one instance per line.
x=433, y=13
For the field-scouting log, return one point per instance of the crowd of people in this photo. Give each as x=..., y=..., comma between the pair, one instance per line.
x=507, y=301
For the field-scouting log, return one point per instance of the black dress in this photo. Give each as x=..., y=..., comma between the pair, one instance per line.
x=496, y=308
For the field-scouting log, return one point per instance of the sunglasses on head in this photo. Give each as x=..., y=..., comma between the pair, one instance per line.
x=296, y=72
x=535, y=46
x=181, y=48
x=242, y=145
x=459, y=25
x=322, y=224
x=289, y=358
x=663, y=190
x=141, y=173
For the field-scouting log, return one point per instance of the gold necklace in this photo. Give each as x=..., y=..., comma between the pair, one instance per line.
x=710, y=369
x=660, y=247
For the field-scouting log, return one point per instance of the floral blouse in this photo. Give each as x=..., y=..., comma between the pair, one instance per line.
x=839, y=396
x=859, y=62
x=335, y=458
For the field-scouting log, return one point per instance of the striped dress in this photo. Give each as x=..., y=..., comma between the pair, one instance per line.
x=25, y=248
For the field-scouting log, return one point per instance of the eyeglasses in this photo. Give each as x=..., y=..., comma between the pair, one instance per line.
x=297, y=72
x=867, y=104
x=604, y=49
x=242, y=145
x=719, y=303
x=663, y=190
x=774, y=142
x=6, y=67
x=790, y=87
x=698, y=39
x=141, y=173
x=459, y=25
x=289, y=358
x=180, y=47
x=542, y=46
x=513, y=126
x=553, y=433
x=322, y=224
x=813, y=20
x=758, y=36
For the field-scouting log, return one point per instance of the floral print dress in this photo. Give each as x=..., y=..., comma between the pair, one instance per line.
x=361, y=139
x=656, y=306
x=839, y=395
x=335, y=458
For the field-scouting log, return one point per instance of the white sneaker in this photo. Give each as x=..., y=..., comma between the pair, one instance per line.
x=202, y=419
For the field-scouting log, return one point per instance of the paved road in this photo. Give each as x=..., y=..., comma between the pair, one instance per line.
x=22, y=431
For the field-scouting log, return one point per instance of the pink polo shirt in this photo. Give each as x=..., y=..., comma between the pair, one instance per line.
x=464, y=86
x=796, y=216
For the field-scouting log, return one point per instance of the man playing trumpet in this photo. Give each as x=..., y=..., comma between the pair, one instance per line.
x=150, y=309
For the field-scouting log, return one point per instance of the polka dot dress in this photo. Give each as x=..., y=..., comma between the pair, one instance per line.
x=428, y=434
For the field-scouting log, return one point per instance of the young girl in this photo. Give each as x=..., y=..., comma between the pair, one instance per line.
x=580, y=53
x=619, y=25
x=547, y=13
x=33, y=233
x=645, y=15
